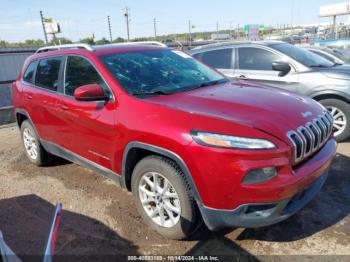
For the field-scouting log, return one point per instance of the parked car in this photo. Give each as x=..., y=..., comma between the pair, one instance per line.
x=286, y=66
x=186, y=141
x=331, y=55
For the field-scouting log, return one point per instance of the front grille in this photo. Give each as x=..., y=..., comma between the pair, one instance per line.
x=311, y=137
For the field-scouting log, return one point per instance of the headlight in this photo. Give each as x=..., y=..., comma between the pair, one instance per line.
x=217, y=140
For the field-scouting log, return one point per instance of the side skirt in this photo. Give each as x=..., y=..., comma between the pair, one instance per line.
x=70, y=156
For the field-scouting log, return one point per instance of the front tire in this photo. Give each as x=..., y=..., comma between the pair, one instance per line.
x=163, y=197
x=340, y=111
x=32, y=147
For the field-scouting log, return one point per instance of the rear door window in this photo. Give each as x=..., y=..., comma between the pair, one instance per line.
x=47, y=73
x=29, y=73
x=220, y=59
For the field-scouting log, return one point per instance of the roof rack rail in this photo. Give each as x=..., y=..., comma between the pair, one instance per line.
x=143, y=43
x=67, y=46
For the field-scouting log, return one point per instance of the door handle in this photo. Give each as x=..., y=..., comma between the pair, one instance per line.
x=243, y=77
x=29, y=96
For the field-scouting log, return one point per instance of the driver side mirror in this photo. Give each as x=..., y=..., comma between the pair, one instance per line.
x=283, y=67
x=91, y=92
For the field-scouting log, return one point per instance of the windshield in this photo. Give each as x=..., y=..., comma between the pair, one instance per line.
x=159, y=72
x=302, y=56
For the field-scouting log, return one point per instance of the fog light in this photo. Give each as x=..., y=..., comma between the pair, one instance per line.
x=259, y=175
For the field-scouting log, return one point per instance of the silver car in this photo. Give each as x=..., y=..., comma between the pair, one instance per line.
x=286, y=66
x=332, y=55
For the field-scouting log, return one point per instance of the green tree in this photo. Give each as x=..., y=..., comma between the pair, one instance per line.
x=87, y=40
x=60, y=41
x=118, y=40
x=102, y=41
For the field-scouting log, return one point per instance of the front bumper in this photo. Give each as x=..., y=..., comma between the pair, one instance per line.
x=261, y=214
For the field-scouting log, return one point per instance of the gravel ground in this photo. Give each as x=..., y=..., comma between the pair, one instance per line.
x=99, y=218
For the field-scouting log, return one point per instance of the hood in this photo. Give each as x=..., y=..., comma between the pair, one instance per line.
x=269, y=109
x=337, y=72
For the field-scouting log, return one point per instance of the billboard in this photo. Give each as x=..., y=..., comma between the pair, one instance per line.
x=334, y=10
x=52, y=28
x=253, y=32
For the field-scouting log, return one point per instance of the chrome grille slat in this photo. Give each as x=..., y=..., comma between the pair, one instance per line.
x=295, y=139
x=309, y=138
x=319, y=133
x=305, y=134
x=322, y=127
x=314, y=143
x=329, y=124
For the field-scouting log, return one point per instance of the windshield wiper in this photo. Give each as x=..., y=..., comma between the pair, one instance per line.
x=320, y=66
x=210, y=83
x=337, y=64
x=150, y=93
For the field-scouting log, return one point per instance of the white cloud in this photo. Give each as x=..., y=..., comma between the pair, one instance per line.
x=5, y=27
x=32, y=25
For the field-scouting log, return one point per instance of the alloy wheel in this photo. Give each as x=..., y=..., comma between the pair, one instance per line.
x=340, y=120
x=30, y=144
x=159, y=199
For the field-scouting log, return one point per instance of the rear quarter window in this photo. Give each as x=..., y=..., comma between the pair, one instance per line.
x=47, y=73
x=28, y=75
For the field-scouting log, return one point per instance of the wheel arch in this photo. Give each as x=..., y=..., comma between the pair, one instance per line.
x=331, y=94
x=21, y=116
x=135, y=151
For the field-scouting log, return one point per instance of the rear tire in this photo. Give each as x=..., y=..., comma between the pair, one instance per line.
x=32, y=147
x=340, y=111
x=167, y=206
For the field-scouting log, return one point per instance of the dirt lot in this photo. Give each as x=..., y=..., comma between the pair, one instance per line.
x=100, y=218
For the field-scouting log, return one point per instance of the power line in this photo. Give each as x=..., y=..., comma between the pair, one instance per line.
x=127, y=20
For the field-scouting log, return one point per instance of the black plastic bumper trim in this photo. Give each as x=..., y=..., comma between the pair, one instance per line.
x=275, y=212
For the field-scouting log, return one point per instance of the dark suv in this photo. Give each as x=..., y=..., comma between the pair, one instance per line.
x=186, y=141
x=289, y=67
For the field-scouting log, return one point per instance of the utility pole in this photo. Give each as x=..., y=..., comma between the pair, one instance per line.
x=42, y=23
x=292, y=14
x=127, y=20
x=155, y=28
x=217, y=27
x=334, y=27
x=109, y=28
x=189, y=35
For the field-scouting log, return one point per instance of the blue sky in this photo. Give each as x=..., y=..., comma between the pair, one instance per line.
x=19, y=19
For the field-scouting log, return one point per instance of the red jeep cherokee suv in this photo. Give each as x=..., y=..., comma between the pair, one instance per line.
x=187, y=142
